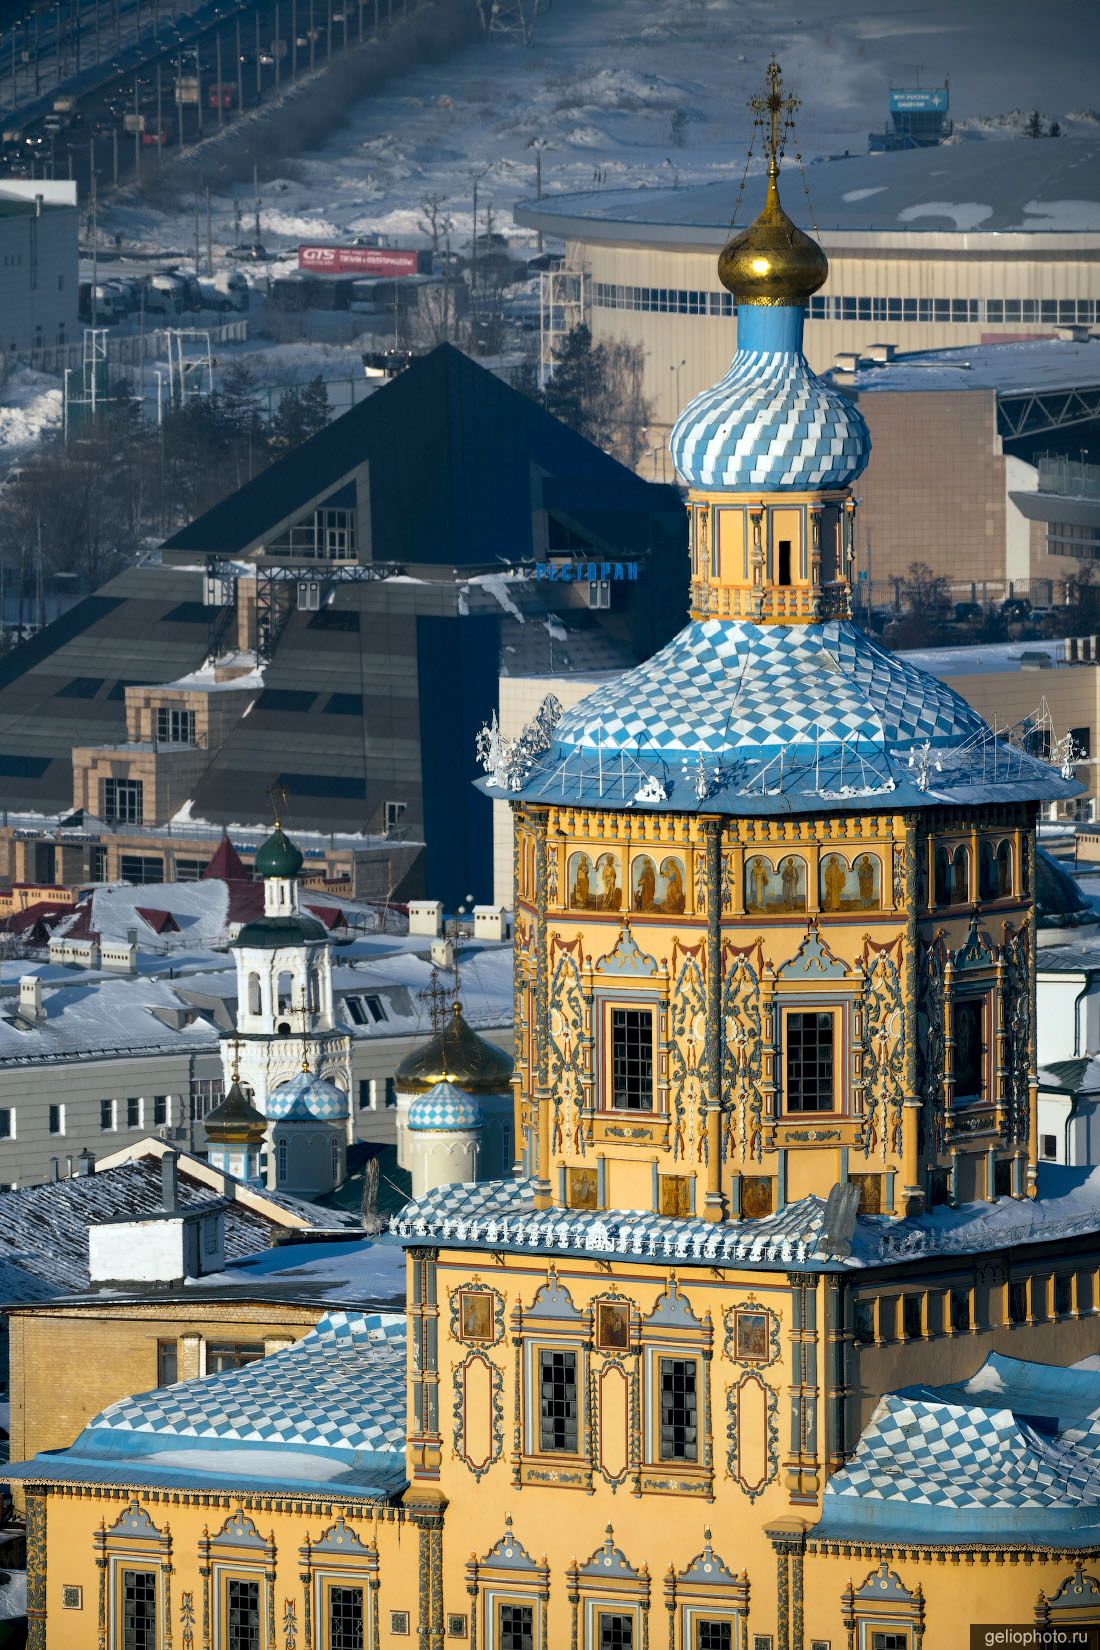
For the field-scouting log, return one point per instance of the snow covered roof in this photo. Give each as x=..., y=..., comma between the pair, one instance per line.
x=44, y=1229
x=1046, y=192
x=1009, y=369
x=1011, y=1455
x=94, y=1015
x=497, y=1214
x=328, y=1411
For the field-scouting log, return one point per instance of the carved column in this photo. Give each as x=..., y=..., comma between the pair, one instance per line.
x=713, y=1206
x=36, y=1567
x=543, y=1194
x=911, y=1196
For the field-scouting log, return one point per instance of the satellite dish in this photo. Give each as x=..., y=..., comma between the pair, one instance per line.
x=841, y=1208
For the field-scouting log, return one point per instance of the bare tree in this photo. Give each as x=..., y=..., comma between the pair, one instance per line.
x=434, y=221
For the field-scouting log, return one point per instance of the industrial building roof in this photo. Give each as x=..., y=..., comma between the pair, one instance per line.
x=1007, y=369
x=1048, y=190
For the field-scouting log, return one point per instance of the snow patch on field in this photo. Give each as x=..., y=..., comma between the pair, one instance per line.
x=32, y=406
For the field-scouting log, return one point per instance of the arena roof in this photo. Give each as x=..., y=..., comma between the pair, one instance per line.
x=1009, y=369
x=980, y=191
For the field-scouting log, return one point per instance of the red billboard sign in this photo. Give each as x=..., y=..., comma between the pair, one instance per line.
x=357, y=260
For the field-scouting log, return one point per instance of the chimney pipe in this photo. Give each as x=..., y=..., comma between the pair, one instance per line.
x=69, y=1167
x=169, y=1181
x=87, y=1162
x=55, y=1168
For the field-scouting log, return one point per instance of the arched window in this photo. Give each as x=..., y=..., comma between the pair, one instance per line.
x=254, y=994
x=314, y=990
x=1004, y=869
x=943, y=877
x=285, y=992
x=281, y=1159
x=335, y=1160
x=960, y=876
x=987, y=870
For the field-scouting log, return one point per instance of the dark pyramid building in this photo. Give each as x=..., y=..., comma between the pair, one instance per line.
x=336, y=628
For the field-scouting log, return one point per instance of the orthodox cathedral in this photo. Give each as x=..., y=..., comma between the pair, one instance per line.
x=775, y=1339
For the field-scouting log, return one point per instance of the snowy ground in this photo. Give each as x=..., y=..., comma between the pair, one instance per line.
x=29, y=406
x=600, y=86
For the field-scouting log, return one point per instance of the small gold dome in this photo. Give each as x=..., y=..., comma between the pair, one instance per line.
x=772, y=261
x=456, y=1054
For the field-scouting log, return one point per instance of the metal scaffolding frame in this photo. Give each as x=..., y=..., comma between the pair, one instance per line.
x=563, y=305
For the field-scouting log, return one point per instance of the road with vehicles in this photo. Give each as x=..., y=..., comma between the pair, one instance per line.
x=120, y=117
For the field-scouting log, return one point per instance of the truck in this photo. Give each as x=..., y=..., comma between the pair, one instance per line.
x=187, y=90
x=133, y=122
x=227, y=291
x=222, y=95
x=65, y=104
x=165, y=295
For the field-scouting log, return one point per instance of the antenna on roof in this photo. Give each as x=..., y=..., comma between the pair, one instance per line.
x=841, y=1209
x=277, y=797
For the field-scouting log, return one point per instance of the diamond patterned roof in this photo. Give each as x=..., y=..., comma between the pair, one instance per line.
x=443, y=1107
x=307, y=1097
x=747, y=719
x=341, y=1387
x=1017, y=1446
x=770, y=423
x=724, y=687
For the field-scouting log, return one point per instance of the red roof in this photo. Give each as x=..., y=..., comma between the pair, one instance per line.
x=226, y=864
x=36, y=919
x=81, y=926
x=329, y=915
x=161, y=922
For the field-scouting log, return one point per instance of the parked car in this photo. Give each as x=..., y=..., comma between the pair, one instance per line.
x=1015, y=609
x=968, y=612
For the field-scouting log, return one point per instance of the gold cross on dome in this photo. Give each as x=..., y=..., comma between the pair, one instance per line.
x=777, y=112
x=436, y=999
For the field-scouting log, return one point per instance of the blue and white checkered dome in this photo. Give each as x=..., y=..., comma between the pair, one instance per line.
x=307, y=1098
x=733, y=690
x=770, y=424
x=444, y=1109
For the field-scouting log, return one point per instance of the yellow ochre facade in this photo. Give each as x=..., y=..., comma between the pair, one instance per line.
x=760, y=1348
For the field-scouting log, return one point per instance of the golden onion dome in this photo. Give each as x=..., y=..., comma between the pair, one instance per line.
x=772, y=261
x=234, y=1121
x=455, y=1054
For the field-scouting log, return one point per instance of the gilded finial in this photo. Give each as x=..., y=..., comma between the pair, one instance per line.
x=773, y=262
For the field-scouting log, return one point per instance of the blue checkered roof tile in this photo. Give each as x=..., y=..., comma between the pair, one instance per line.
x=770, y=424
x=341, y=1387
x=1015, y=1446
x=730, y=689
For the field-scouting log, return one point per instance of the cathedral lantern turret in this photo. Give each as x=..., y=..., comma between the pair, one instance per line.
x=774, y=886
x=287, y=1053
x=769, y=453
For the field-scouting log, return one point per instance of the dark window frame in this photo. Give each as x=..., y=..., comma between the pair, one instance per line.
x=810, y=1061
x=631, y=1060
x=559, y=1414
